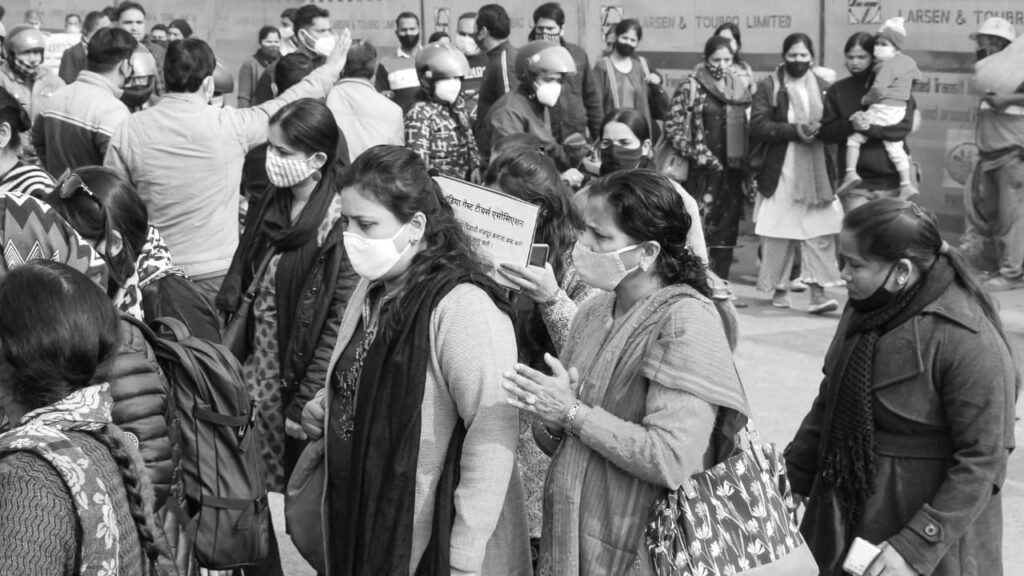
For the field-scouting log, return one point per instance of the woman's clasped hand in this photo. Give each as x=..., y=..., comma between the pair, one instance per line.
x=549, y=397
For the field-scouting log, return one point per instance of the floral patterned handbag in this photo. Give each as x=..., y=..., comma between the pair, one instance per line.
x=733, y=518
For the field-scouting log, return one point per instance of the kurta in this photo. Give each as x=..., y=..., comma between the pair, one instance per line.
x=943, y=391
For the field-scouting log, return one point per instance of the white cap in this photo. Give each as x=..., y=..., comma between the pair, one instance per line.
x=996, y=27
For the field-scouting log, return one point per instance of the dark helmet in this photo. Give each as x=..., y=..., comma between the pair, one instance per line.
x=541, y=56
x=439, y=60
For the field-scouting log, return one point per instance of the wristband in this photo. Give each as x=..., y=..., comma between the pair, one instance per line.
x=570, y=416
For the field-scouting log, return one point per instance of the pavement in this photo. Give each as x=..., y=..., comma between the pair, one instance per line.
x=780, y=359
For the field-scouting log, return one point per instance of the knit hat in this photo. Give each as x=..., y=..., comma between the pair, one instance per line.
x=894, y=31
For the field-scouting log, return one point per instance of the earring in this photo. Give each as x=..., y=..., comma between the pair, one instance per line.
x=317, y=176
x=413, y=240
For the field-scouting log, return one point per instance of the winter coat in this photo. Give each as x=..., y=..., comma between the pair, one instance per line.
x=771, y=131
x=875, y=167
x=519, y=113
x=943, y=390
x=441, y=136
x=580, y=109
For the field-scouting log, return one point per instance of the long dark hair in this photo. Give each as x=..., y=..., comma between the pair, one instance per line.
x=889, y=229
x=397, y=178
x=798, y=38
x=863, y=40
x=648, y=207
x=733, y=29
x=716, y=43
x=113, y=206
x=58, y=334
x=309, y=126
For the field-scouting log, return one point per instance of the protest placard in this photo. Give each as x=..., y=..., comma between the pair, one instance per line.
x=501, y=226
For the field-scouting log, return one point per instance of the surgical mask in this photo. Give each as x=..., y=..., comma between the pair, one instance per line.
x=372, y=258
x=879, y=299
x=548, y=93
x=323, y=45
x=625, y=50
x=615, y=158
x=717, y=71
x=287, y=33
x=602, y=270
x=287, y=172
x=448, y=89
x=467, y=45
x=797, y=69
x=884, y=53
x=409, y=42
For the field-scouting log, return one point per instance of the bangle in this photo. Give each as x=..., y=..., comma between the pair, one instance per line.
x=571, y=415
x=549, y=434
x=553, y=300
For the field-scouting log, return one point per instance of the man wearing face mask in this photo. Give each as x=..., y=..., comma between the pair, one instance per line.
x=24, y=76
x=185, y=157
x=995, y=192
x=313, y=38
x=437, y=127
x=73, y=60
x=75, y=127
x=465, y=41
x=580, y=108
x=541, y=67
x=396, y=75
x=493, y=27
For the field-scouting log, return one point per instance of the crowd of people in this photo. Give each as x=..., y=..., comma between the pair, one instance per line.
x=464, y=428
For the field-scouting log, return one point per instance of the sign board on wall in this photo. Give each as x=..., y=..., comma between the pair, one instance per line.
x=501, y=226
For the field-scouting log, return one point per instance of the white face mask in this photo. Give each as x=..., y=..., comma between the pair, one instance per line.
x=323, y=45
x=287, y=172
x=884, y=53
x=602, y=270
x=372, y=258
x=548, y=93
x=467, y=45
x=287, y=32
x=448, y=89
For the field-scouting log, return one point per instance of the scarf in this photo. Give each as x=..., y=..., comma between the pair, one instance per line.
x=595, y=513
x=381, y=488
x=43, y=433
x=153, y=263
x=848, y=466
x=266, y=57
x=737, y=98
x=298, y=244
x=811, y=184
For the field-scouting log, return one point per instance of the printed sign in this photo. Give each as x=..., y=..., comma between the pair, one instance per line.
x=864, y=11
x=56, y=44
x=501, y=226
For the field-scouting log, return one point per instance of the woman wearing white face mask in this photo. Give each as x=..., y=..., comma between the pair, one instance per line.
x=415, y=419
x=645, y=388
x=541, y=67
x=437, y=127
x=293, y=259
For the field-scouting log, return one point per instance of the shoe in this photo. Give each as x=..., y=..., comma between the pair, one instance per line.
x=781, y=299
x=1003, y=284
x=797, y=286
x=850, y=182
x=823, y=307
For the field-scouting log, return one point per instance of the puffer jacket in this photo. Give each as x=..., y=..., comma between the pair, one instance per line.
x=139, y=390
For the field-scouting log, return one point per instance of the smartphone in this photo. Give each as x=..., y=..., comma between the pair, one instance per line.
x=539, y=255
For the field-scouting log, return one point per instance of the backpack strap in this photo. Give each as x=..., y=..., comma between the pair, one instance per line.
x=613, y=83
x=643, y=64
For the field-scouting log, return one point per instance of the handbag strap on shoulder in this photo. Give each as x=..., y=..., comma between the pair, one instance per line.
x=613, y=83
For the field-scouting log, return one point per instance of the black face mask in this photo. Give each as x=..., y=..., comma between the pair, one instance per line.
x=409, y=42
x=615, y=158
x=982, y=53
x=797, y=69
x=625, y=50
x=879, y=298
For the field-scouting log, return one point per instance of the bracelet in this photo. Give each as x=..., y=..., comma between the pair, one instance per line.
x=553, y=300
x=549, y=434
x=571, y=415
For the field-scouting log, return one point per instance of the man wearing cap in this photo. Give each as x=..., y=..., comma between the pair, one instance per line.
x=541, y=67
x=75, y=127
x=995, y=192
x=185, y=157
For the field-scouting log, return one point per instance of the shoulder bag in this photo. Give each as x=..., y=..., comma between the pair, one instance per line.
x=657, y=99
x=734, y=518
x=238, y=329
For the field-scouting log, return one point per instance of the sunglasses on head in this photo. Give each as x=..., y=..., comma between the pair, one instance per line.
x=71, y=183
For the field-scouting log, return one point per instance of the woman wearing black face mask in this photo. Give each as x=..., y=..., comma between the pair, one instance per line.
x=624, y=80
x=842, y=117
x=797, y=208
x=707, y=125
x=907, y=442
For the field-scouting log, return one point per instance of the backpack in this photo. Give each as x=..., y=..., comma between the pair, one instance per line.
x=220, y=481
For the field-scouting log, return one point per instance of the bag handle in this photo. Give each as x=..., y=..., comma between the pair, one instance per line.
x=259, y=274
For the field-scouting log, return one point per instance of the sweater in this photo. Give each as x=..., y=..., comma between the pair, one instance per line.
x=398, y=80
x=894, y=79
x=38, y=523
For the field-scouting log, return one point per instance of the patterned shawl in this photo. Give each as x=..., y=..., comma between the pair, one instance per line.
x=594, y=512
x=43, y=433
x=153, y=263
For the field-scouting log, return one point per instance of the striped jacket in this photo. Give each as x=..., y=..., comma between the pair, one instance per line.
x=76, y=124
